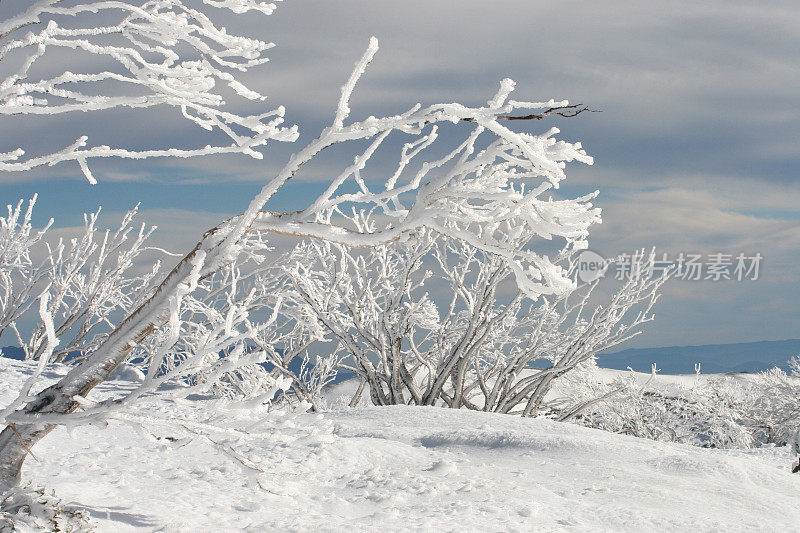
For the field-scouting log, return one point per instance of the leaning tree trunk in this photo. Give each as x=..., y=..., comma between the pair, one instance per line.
x=215, y=249
x=16, y=440
x=12, y=455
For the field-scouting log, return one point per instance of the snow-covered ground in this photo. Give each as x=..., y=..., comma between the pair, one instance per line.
x=404, y=468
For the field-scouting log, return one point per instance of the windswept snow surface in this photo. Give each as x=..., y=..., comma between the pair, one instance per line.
x=405, y=468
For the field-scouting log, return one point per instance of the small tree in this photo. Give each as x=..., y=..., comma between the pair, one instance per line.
x=474, y=193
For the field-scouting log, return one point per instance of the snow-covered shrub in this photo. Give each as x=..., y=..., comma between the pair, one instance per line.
x=766, y=403
x=28, y=508
x=728, y=411
x=238, y=334
x=475, y=344
x=91, y=279
x=642, y=408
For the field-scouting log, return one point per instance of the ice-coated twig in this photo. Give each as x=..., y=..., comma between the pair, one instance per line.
x=164, y=54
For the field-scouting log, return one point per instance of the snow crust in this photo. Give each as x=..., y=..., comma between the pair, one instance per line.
x=404, y=468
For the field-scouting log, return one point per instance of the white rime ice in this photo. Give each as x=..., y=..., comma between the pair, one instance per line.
x=488, y=189
x=163, y=54
x=465, y=195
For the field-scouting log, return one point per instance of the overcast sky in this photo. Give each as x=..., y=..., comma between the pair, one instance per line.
x=696, y=148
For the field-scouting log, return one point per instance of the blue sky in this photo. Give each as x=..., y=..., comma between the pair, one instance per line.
x=696, y=148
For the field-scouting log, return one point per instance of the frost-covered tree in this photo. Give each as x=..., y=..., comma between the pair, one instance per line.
x=476, y=192
x=476, y=345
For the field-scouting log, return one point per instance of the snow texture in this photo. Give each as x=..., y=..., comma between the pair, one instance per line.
x=404, y=468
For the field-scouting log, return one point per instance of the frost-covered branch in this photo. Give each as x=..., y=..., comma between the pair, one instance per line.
x=147, y=54
x=89, y=279
x=19, y=276
x=487, y=191
x=475, y=193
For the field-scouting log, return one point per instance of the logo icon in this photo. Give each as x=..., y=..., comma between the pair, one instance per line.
x=591, y=266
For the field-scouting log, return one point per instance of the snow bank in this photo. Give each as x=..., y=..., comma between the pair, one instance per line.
x=410, y=468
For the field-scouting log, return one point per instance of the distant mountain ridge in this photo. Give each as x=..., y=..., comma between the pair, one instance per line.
x=713, y=358
x=13, y=352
